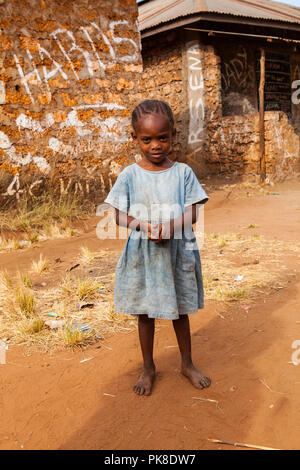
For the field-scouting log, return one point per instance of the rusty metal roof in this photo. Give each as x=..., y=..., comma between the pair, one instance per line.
x=156, y=12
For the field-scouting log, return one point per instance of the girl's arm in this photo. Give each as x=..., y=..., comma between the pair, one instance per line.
x=125, y=220
x=190, y=216
x=162, y=232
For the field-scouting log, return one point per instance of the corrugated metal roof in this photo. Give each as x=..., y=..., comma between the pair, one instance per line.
x=161, y=11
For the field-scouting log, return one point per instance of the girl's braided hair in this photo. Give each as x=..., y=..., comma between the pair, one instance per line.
x=151, y=107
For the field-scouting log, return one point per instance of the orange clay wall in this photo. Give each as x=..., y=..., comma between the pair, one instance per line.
x=67, y=73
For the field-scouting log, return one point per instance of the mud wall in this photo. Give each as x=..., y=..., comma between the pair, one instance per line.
x=173, y=71
x=234, y=147
x=162, y=79
x=239, y=95
x=211, y=86
x=233, y=138
x=67, y=73
x=202, y=80
x=295, y=76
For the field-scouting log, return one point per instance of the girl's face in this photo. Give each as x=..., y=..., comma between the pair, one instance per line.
x=154, y=134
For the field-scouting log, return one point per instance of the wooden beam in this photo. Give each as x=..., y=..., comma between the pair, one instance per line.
x=262, y=115
x=256, y=36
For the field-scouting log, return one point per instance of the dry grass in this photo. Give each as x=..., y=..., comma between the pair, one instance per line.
x=24, y=321
x=66, y=286
x=36, y=212
x=24, y=299
x=57, y=231
x=39, y=218
x=11, y=244
x=74, y=337
x=31, y=239
x=82, y=289
x=24, y=279
x=40, y=266
x=5, y=281
x=19, y=317
x=220, y=266
x=86, y=288
x=86, y=255
x=31, y=326
x=25, y=310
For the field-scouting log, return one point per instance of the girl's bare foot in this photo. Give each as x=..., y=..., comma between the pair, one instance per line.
x=196, y=378
x=145, y=382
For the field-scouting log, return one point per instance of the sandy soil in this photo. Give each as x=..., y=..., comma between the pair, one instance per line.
x=55, y=401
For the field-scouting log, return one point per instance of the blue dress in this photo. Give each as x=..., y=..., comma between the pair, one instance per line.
x=158, y=280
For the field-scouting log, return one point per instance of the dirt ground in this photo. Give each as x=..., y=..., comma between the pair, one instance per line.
x=54, y=401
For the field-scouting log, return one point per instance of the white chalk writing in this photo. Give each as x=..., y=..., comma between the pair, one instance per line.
x=195, y=93
x=70, y=50
x=237, y=71
x=296, y=94
x=79, y=56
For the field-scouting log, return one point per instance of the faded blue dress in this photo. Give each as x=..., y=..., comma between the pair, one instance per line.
x=158, y=280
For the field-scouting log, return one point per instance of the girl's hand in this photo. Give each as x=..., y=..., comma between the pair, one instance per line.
x=167, y=231
x=154, y=232
x=158, y=233
x=162, y=232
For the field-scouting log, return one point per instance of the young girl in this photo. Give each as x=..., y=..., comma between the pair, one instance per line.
x=158, y=274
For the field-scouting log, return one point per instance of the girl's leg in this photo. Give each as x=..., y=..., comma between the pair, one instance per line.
x=146, y=335
x=182, y=330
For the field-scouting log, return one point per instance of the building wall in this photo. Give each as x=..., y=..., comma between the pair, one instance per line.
x=233, y=139
x=162, y=79
x=215, y=89
x=295, y=76
x=165, y=76
x=67, y=74
x=239, y=95
x=234, y=146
